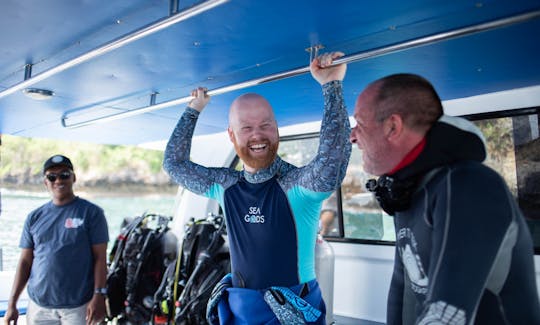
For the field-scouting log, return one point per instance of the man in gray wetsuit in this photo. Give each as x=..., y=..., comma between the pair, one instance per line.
x=464, y=254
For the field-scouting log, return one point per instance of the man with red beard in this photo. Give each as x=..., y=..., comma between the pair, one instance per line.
x=271, y=207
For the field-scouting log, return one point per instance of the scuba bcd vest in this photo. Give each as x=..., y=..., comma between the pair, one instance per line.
x=138, y=261
x=203, y=260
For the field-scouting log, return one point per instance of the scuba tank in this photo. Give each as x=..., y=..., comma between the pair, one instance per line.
x=324, y=270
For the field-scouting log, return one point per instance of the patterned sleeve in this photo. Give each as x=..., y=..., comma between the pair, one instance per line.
x=196, y=178
x=327, y=170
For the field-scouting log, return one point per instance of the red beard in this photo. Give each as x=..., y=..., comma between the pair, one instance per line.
x=259, y=162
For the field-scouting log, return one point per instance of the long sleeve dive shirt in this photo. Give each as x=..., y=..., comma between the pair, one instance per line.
x=271, y=215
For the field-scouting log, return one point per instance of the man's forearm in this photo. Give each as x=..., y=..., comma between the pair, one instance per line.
x=177, y=163
x=334, y=146
x=100, y=265
x=21, y=278
x=179, y=144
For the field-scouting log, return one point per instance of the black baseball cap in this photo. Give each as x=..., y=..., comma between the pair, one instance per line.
x=57, y=160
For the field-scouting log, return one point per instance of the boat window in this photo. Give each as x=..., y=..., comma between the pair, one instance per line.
x=514, y=151
x=298, y=151
x=362, y=217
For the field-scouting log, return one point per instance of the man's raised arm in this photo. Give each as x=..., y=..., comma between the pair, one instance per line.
x=327, y=170
x=176, y=161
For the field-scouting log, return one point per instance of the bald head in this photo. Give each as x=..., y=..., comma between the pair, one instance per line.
x=253, y=131
x=249, y=104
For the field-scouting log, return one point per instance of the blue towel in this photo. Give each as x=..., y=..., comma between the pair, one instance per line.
x=242, y=306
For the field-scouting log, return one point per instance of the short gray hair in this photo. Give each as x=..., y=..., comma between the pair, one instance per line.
x=410, y=96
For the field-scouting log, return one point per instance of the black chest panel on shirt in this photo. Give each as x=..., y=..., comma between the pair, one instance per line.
x=262, y=235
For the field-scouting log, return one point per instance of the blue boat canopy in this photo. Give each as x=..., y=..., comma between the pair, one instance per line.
x=120, y=72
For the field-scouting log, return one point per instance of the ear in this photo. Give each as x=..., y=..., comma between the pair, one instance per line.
x=393, y=127
x=74, y=178
x=231, y=134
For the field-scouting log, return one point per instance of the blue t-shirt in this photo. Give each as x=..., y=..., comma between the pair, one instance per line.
x=62, y=274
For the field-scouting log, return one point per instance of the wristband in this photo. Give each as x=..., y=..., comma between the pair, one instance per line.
x=101, y=291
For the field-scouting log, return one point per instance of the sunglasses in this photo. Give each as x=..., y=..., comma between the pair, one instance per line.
x=63, y=176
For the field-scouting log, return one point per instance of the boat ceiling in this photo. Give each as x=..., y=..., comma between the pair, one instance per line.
x=238, y=41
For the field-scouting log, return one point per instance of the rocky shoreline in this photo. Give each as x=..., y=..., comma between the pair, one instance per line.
x=102, y=190
x=119, y=183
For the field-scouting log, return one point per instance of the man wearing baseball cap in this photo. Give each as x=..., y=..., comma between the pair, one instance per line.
x=63, y=257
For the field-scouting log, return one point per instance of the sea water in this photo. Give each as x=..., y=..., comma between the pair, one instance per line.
x=15, y=207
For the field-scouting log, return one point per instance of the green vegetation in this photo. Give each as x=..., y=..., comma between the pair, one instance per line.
x=21, y=160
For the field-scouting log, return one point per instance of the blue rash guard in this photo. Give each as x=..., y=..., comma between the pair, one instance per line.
x=272, y=215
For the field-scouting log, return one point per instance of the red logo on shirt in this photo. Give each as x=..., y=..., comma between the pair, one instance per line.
x=73, y=223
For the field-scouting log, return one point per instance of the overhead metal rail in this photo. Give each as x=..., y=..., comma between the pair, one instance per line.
x=498, y=23
x=114, y=44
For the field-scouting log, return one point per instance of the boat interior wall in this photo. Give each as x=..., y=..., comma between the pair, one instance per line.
x=213, y=150
x=503, y=100
x=372, y=268
x=236, y=41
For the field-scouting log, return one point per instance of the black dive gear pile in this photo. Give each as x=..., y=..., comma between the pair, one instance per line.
x=147, y=285
x=137, y=264
x=203, y=260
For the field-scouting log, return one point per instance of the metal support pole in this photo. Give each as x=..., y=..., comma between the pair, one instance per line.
x=27, y=71
x=173, y=7
x=153, y=99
